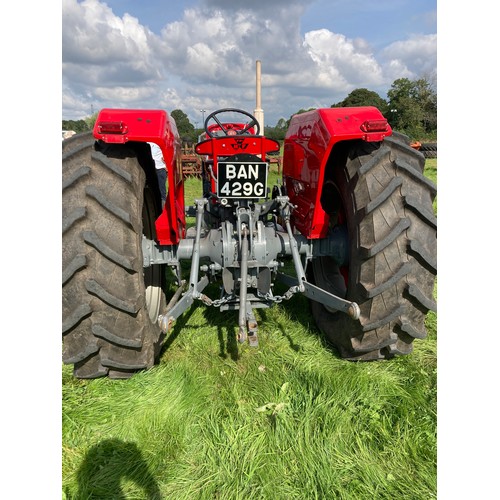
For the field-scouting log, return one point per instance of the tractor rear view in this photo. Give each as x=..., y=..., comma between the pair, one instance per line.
x=353, y=215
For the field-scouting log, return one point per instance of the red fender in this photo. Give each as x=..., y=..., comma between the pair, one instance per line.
x=308, y=143
x=120, y=126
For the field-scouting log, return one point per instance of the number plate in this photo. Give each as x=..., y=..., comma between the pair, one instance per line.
x=241, y=179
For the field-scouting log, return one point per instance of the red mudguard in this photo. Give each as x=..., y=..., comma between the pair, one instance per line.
x=308, y=144
x=120, y=126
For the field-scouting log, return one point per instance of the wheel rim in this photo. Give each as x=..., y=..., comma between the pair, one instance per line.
x=152, y=274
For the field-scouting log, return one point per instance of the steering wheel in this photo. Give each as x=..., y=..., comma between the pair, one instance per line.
x=225, y=128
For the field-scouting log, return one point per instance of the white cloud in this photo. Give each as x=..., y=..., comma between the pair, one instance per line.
x=125, y=95
x=340, y=63
x=207, y=60
x=92, y=34
x=98, y=46
x=412, y=58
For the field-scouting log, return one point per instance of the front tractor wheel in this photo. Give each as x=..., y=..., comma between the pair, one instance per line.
x=386, y=202
x=110, y=302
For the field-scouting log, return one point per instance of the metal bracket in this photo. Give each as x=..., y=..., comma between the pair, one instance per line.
x=253, y=340
x=166, y=320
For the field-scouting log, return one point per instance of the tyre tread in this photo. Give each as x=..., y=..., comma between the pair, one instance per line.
x=106, y=326
x=393, y=266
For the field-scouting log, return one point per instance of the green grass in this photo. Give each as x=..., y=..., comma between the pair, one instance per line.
x=289, y=420
x=431, y=172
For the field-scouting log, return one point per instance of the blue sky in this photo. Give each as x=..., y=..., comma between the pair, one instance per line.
x=380, y=22
x=200, y=54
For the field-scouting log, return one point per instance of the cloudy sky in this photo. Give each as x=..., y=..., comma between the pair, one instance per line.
x=200, y=54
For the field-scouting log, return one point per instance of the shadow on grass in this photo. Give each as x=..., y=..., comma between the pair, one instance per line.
x=107, y=464
x=225, y=322
x=179, y=325
x=295, y=347
x=230, y=346
x=298, y=309
x=214, y=319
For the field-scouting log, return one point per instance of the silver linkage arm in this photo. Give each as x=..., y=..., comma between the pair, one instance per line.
x=166, y=319
x=242, y=334
x=301, y=284
x=323, y=297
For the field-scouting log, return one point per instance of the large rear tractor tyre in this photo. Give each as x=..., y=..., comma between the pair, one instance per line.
x=380, y=191
x=110, y=303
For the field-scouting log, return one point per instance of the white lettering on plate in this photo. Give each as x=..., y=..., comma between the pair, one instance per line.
x=247, y=171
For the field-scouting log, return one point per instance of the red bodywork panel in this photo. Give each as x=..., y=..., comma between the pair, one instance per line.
x=230, y=128
x=120, y=126
x=308, y=144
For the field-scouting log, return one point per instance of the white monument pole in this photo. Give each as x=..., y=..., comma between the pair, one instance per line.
x=259, y=112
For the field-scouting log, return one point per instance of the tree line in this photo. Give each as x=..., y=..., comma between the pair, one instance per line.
x=410, y=108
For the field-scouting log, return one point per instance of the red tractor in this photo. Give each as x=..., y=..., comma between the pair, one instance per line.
x=352, y=219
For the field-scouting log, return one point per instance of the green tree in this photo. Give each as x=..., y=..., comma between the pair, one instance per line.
x=90, y=120
x=428, y=98
x=363, y=97
x=184, y=126
x=286, y=123
x=282, y=124
x=413, y=107
x=302, y=110
x=278, y=131
x=76, y=125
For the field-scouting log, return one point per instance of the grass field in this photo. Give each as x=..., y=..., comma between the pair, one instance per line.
x=289, y=420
